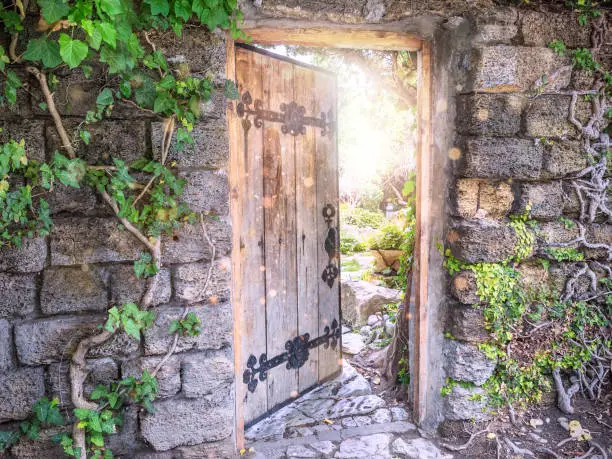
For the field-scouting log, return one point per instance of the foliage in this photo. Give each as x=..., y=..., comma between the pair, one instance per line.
x=189, y=326
x=130, y=319
x=525, y=238
x=361, y=218
x=564, y=253
x=145, y=267
x=389, y=237
x=349, y=244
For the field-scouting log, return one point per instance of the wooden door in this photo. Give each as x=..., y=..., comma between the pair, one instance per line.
x=284, y=186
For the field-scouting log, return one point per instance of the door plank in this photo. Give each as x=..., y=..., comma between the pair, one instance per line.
x=327, y=193
x=280, y=231
x=306, y=220
x=247, y=191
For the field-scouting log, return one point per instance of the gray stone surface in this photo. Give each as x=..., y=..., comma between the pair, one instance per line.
x=189, y=244
x=74, y=290
x=501, y=158
x=77, y=241
x=224, y=449
x=466, y=323
x=474, y=198
x=207, y=191
x=513, y=68
x=361, y=299
x=416, y=448
x=299, y=451
x=554, y=232
x=28, y=258
x=371, y=446
x=6, y=345
x=563, y=158
x=483, y=241
x=32, y=132
x=352, y=343
x=323, y=447
x=19, y=389
x=125, y=287
x=206, y=373
x=547, y=116
x=489, y=114
x=546, y=199
x=539, y=28
x=42, y=447
x=216, y=332
x=190, y=280
x=22, y=106
x=100, y=371
x=17, y=295
x=464, y=288
x=51, y=340
x=399, y=414
x=462, y=404
x=465, y=362
x=168, y=377
x=210, y=148
x=184, y=422
x=381, y=416
x=79, y=201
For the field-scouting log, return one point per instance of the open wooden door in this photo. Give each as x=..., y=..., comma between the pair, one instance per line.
x=284, y=187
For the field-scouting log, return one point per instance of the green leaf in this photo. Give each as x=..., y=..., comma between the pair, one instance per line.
x=81, y=413
x=99, y=392
x=126, y=89
x=72, y=51
x=46, y=51
x=85, y=136
x=108, y=33
x=182, y=9
x=105, y=98
x=231, y=91
x=54, y=10
x=111, y=7
x=159, y=7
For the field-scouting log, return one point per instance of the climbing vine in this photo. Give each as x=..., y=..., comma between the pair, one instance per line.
x=110, y=39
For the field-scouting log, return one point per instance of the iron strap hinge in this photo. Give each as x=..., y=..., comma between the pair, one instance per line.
x=296, y=355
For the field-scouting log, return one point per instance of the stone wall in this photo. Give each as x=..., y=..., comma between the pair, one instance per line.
x=55, y=290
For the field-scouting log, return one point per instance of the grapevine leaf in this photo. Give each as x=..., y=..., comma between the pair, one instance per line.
x=46, y=51
x=72, y=51
x=159, y=7
x=54, y=10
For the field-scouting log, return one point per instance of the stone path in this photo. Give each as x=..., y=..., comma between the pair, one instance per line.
x=340, y=419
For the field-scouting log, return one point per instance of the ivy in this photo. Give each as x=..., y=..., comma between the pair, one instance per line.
x=130, y=319
x=564, y=253
x=189, y=326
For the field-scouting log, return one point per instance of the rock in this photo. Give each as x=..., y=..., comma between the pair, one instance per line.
x=376, y=358
x=189, y=281
x=17, y=294
x=381, y=416
x=225, y=449
x=206, y=373
x=188, y=245
x=74, y=290
x=323, y=447
x=19, y=389
x=352, y=344
x=466, y=404
x=126, y=287
x=365, y=331
x=563, y=158
x=373, y=320
x=464, y=288
x=168, y=378
x=361, y=299
x=28, y=258
x=369, y=446
x=399, y=414
x=540, y=28
x=390, y=328
x=547, y=116
x=465, y=362
x=6, y=345
x=467, y=323
x=474, y=197
x=184, y=422
x=416, y=448
x=489, y=114
x=353, y=406
x=546, y=199
x=206, y=191
x=484, y=240
x=299, y=451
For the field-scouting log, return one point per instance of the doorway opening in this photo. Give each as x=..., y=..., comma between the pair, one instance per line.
x=307, y=164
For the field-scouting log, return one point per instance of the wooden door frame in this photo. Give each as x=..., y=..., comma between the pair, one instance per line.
x=357, y=39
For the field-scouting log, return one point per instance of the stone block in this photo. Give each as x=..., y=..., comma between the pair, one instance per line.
x=532, y=275
x=501, y=158
x=216, y=332
x=504, y=68
x=598, y=234
x=126, y=141
x=75, y=94
x=361, y=299
x=189, y=244
x=28, y=258
x=464, y=404
x=225, y=449
x=464, y=288
x=126, y=287
x=482, y=240
x=6, y=345
x=33, y=132
x=563, y=158
x=77, y=241
x=209, y=151
x=582, y=80
x=19, y=389
x=546, y=199
x=17, y=294
x=207, y=191
x=475, y=198
x=190, y=281
x=186, y=422
x=555, y=232
x=100, y=371
x=493, y=34
x=42, y=447
x=168, y=377
x=50, y=340
x=335, y=11
x=206, y=373
x=465, y=362
x=467, y=323
x=541, y=28
x=489, y=114
x=74, y=290
x=560, y=273
x=547, y=116
x=82, y=201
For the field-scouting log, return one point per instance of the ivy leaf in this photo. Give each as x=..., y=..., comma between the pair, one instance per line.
x=81, y=413
x=99, y=392
x=85, y=136
x=126, y=89
x=46, y=51
x=182, y=9
x=72, y=51
x=111, y=7
x=105, y=98
x=108, y=33
x=159, y=7
x=231, y=91
x=54, y=10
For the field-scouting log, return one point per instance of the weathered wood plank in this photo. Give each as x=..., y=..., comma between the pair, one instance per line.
x=280, y=231
x=247, y=199
x=306, y=219
x=327, y=193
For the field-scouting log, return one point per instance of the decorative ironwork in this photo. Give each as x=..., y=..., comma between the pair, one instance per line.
x=292, y=116
x=296, y=355
x=331, y=271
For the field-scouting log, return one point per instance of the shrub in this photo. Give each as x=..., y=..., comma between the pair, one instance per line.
x=350, y=244
x=389, y=237
x=362, y=218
